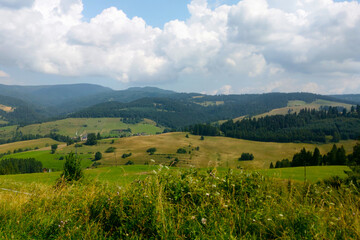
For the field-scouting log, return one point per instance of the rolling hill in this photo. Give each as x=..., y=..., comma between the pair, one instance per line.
x=180, y=110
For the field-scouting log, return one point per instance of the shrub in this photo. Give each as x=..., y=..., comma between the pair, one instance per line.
x=110, y=150
x=246, y=157
x=53, y=148
x=72, y=168
x=129, y=162
x=98, y=156
x=181, y=151
x=126, y=155
x=151, y=151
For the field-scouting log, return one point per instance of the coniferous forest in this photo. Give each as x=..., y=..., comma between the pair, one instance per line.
x=306, y=126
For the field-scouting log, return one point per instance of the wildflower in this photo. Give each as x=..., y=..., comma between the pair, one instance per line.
x=214, y=185
x=269, y=219
x=207, y=194
x=193, y=217
x=152, y=160
x=203, y=221
x=154, y=172
x=281, y=215
x=254, y=220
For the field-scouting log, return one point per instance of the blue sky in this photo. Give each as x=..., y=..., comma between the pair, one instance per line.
x=155, y=12
x=214, y=46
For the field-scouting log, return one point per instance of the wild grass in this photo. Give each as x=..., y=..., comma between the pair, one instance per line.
x=185, y=204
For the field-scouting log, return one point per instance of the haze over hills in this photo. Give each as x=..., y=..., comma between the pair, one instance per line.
x=31, y=104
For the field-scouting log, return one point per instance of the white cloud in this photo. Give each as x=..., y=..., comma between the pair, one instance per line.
x=255, y=45
x=4, y=74
x=15, y=4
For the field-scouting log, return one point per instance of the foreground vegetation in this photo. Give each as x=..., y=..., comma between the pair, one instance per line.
x=182, y=204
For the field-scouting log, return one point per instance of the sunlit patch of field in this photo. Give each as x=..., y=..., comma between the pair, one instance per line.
x=296, y=105
x=78, y=126
x=37, y=143
x=213, y=151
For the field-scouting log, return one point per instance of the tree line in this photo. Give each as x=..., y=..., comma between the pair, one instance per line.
x=308, y=125
x=19, y=166
x=336, y=156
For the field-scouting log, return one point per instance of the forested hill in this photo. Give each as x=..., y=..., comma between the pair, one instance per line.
x=16, y=111
x=348, y=97
x=51, y=95
x=179, y=110
x=307, y=126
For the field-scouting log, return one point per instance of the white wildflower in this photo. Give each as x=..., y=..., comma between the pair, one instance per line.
x=207, y=194
x=203, y=221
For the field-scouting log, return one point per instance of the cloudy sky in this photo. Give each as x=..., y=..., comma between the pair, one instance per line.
x=214, y=46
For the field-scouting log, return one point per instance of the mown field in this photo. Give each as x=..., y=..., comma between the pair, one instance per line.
x=78, y=126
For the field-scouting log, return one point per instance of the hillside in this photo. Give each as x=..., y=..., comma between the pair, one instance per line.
x=180, y=110
x=51, y=95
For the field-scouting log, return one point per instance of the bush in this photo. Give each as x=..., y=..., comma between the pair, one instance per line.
x=98, y=156
x=126, y=155
x=110, y=150
x=53, y=148
x=181, y=151
x=246, y=157
x=129, y=162
x=72, y=168
x=151, y=151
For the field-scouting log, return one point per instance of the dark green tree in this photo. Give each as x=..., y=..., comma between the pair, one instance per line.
x=72, y=168
x=91, y=139
x=98, y=136
x=316, y=158
x=271, y=165
x=53, y=148
x=98, y=156
x=151, y=151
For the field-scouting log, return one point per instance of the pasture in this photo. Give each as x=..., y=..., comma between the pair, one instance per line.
x=295, y=107
x=212, y=152
x=43, y=143
x=73, y=127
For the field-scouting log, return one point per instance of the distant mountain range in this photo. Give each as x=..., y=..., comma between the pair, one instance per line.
x=171, y=109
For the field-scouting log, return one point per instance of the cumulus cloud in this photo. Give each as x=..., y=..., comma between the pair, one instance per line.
x=254, y=45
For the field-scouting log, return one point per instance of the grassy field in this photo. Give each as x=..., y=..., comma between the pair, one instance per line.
x=49, y=160
x=213, y=151
x=178, y=204
x=121, y=176
x=78, y=126
x=313, y=174
x=296, y=106
x=43, y=143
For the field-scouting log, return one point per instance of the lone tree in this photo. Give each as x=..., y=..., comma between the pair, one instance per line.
x=91, y=139
x=151, y=151
x=53, y=148
x=72, y=168
x=98, y=156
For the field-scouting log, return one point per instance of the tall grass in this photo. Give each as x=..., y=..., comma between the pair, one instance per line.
x=183, y=204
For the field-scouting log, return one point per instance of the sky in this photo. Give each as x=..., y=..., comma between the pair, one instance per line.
x=213, y=47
